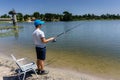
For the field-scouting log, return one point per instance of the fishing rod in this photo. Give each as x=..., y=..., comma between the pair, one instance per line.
x=62, y=33
x=65, y=32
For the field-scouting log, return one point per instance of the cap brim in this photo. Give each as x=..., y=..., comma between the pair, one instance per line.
x=42, y=22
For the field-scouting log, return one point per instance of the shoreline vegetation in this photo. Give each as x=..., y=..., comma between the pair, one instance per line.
x=65, y=16
x=8, y=67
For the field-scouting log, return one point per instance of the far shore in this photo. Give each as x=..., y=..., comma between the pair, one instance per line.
x=8, y=66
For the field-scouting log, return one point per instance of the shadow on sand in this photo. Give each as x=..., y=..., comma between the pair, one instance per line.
x=29, y=76
x=18, y=77
x=10, y=78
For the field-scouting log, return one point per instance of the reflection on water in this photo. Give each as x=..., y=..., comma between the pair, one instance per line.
x=10, y=32
x=94, y=46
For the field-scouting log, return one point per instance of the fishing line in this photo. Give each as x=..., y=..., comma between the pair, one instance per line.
x=66, y=31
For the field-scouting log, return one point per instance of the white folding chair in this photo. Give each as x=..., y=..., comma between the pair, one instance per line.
x=24, y=65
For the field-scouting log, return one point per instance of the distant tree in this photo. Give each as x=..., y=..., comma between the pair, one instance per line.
x=19, y=16
x=5, y=16
x=57, y=16
x=103, y=16
x=75, y=17
x=118, y=16
x=67, y=16
x=36, y=15
x=26, y=17
x=42, y=16
x=48, y=17
x=10, y=12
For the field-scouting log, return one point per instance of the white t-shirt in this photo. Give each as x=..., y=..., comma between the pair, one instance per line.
x=37, y=35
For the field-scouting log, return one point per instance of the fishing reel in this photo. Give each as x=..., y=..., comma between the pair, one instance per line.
x=54, y=40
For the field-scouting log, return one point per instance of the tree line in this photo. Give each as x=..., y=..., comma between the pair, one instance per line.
x=65, y=16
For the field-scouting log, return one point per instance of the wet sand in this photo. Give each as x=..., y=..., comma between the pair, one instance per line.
x=7, y=67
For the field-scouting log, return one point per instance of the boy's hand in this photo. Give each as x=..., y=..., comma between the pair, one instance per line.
x=53, y=39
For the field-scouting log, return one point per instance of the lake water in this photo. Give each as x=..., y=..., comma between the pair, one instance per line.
x=92, y=47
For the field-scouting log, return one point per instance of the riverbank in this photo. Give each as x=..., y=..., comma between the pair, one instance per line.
x=7, y=71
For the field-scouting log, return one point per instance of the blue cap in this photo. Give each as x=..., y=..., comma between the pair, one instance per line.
x=38, y=22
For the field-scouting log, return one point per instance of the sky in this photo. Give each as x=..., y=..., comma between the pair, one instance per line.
x=76, y=7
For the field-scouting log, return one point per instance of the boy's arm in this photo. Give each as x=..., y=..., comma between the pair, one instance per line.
x=44, y=40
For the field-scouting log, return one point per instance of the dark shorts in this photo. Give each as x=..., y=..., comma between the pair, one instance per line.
x=41, y=53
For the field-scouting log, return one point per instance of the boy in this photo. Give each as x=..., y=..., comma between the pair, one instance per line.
x=40, y=45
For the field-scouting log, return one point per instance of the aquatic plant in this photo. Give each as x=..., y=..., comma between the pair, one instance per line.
x=9, y=31
x=10, y=27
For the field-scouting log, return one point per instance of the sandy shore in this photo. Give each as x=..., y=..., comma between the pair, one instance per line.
x=7, y=72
